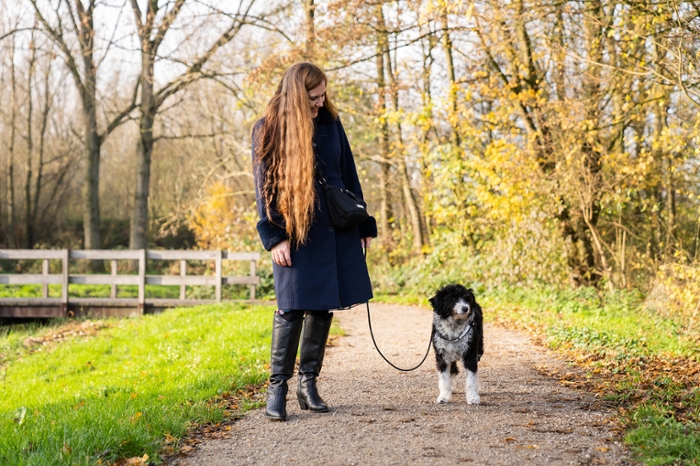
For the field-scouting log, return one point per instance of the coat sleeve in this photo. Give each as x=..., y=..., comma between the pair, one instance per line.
x=271, y=230
x=352, y=181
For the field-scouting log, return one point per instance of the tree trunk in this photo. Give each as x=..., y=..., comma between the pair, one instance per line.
x=91, y=190
x=664, y=159
x=385, y=209
x=38, y=185
x=11, y=217
x=93, y=140
x=592, y=96
x=452, y=96
x=138, y=237
x=412, y=207
x=426, y=101
x=28, y=226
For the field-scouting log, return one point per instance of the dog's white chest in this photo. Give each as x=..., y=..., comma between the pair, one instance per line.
x=452, y=350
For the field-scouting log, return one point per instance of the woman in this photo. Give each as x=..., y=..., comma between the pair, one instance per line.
x=316, y=267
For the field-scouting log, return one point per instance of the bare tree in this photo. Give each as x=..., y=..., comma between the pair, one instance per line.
x=385, y=207
x=74, y=21
x=151, y=35
x=11, y=215
x=28, y=225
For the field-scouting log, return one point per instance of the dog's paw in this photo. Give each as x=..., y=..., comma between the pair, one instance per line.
x=443, y=400
x=473, y=400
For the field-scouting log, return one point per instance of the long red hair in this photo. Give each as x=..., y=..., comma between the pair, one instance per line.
x=283, y=147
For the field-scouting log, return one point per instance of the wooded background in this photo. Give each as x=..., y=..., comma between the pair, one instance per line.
x=520, y=142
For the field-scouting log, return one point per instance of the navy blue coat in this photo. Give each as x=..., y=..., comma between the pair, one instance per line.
x=329, y=271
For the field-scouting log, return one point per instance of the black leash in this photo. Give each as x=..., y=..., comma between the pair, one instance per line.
x=369, y=321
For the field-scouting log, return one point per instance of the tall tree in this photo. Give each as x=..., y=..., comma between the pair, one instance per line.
x=75, y=20
x=451, y=75
x=411, y=205
x=28, y=204
x=385, y=207
x=151, y=34
x=11, y=215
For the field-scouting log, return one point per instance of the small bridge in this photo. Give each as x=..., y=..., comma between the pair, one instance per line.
x=113, y=306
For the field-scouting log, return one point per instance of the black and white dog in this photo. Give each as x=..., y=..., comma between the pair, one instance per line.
x=457, y=336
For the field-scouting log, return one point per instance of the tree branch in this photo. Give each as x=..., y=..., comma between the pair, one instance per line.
x=195, y=70
x=169, y=19
x=58, y=38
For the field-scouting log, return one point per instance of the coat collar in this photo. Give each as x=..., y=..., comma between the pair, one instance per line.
x=324, y=116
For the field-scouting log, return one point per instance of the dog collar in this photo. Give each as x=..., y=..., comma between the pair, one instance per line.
x=461, y=335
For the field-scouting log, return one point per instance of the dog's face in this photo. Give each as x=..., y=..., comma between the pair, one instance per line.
x=454, y=301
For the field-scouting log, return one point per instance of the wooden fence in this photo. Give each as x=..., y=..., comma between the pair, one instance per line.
x=114, y=306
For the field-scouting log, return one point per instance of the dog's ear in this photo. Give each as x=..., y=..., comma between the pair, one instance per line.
x=435, y=301
x=470, y=297
x=472, y=302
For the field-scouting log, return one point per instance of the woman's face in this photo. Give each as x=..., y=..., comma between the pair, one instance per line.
x=317, y=96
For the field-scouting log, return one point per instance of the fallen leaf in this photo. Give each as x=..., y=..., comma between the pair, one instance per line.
x=137, y=461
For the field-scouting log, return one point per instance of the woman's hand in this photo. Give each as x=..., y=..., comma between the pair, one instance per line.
x=366, y=241
x=281, y=254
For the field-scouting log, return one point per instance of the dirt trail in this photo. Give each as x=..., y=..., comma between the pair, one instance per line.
x=381, y=416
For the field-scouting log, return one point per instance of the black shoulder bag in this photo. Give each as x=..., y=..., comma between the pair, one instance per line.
x=345, y=209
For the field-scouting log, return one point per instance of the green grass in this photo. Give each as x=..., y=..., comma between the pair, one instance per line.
x=126, y=389
x=124, y=291
x=403, y=299
x=606, y=324
x=660, y=439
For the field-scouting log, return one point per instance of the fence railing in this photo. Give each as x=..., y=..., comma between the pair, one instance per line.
x=141, y=256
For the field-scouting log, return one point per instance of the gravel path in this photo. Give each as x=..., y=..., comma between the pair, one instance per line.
x=381, y=416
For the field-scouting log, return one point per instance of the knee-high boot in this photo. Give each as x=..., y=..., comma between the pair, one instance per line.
x=285, y=342
x=313, y=348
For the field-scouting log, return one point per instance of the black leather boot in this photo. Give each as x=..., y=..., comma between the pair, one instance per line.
x=313, y=348
x=285, y=342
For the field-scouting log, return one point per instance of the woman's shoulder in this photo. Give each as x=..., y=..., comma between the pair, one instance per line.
x=255, y=135
x=258, y=124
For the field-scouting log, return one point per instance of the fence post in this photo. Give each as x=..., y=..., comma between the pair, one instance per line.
x=113, y=293
x=253, y=273
x=142, y=280
x=45, y=271
x=218, y=275
x=183, y=273
x=64, y=284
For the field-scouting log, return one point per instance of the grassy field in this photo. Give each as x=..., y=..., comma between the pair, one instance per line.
x=644, y=365
x=91, y=392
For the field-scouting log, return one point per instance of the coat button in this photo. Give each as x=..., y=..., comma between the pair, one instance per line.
x=330, y=229
x=313, y=144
